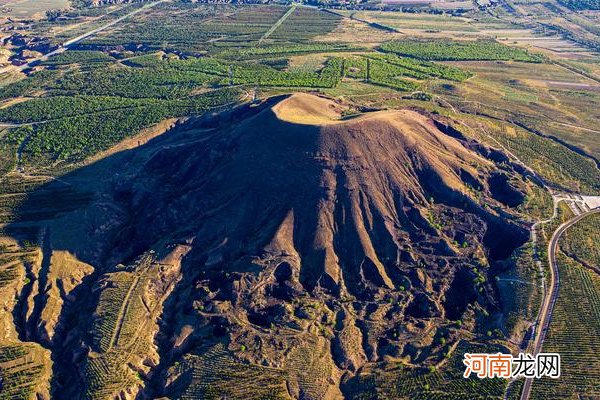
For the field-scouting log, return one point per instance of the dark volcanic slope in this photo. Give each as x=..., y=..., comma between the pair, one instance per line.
x=292, y=206
x=340, y=200
x=301, y=244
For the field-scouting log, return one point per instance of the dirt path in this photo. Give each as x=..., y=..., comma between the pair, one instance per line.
x=122, y=312
x=576, y=127
x=576, y=72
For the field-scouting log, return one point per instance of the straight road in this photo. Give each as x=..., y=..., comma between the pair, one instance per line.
x=62, y=48
x=278, y=23
x=545, y=315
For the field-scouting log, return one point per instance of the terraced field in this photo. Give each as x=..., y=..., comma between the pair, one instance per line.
x=213, y=373
x=522, y=292
x=575, y=334
x=445, y=383
x=24, y=367
x=311, y=369
x=125, y=322
x=581, y=242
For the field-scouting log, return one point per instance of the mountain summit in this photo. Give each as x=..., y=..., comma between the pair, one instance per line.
x=285, y=241
x=342, y=201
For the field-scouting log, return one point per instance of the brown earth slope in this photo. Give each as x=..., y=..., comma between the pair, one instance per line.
x=314, y=245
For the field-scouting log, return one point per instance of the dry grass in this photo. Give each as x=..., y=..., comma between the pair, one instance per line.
x=137, y=140
x=306, y=109
x=34, y=8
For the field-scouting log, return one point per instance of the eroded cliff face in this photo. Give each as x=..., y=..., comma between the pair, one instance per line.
x=284, y=250
x=25, y=366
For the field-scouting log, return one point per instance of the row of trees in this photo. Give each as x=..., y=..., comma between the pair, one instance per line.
x=464, y=50
x=581, y=4
x=423, y=69
x=80, y=135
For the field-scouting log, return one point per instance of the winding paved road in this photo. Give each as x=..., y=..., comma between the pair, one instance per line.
x=545, y=314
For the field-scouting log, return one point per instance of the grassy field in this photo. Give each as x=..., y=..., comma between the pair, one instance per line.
x=428, y=23
x=33, y=8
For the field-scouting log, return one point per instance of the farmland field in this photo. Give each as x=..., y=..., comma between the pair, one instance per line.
x=574, y=333
x=581, y=243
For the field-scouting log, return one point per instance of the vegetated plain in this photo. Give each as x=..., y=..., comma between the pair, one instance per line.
x=573, y=337
x=145, y=116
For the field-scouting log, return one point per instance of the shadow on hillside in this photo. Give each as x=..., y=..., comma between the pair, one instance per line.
x=79, y=212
